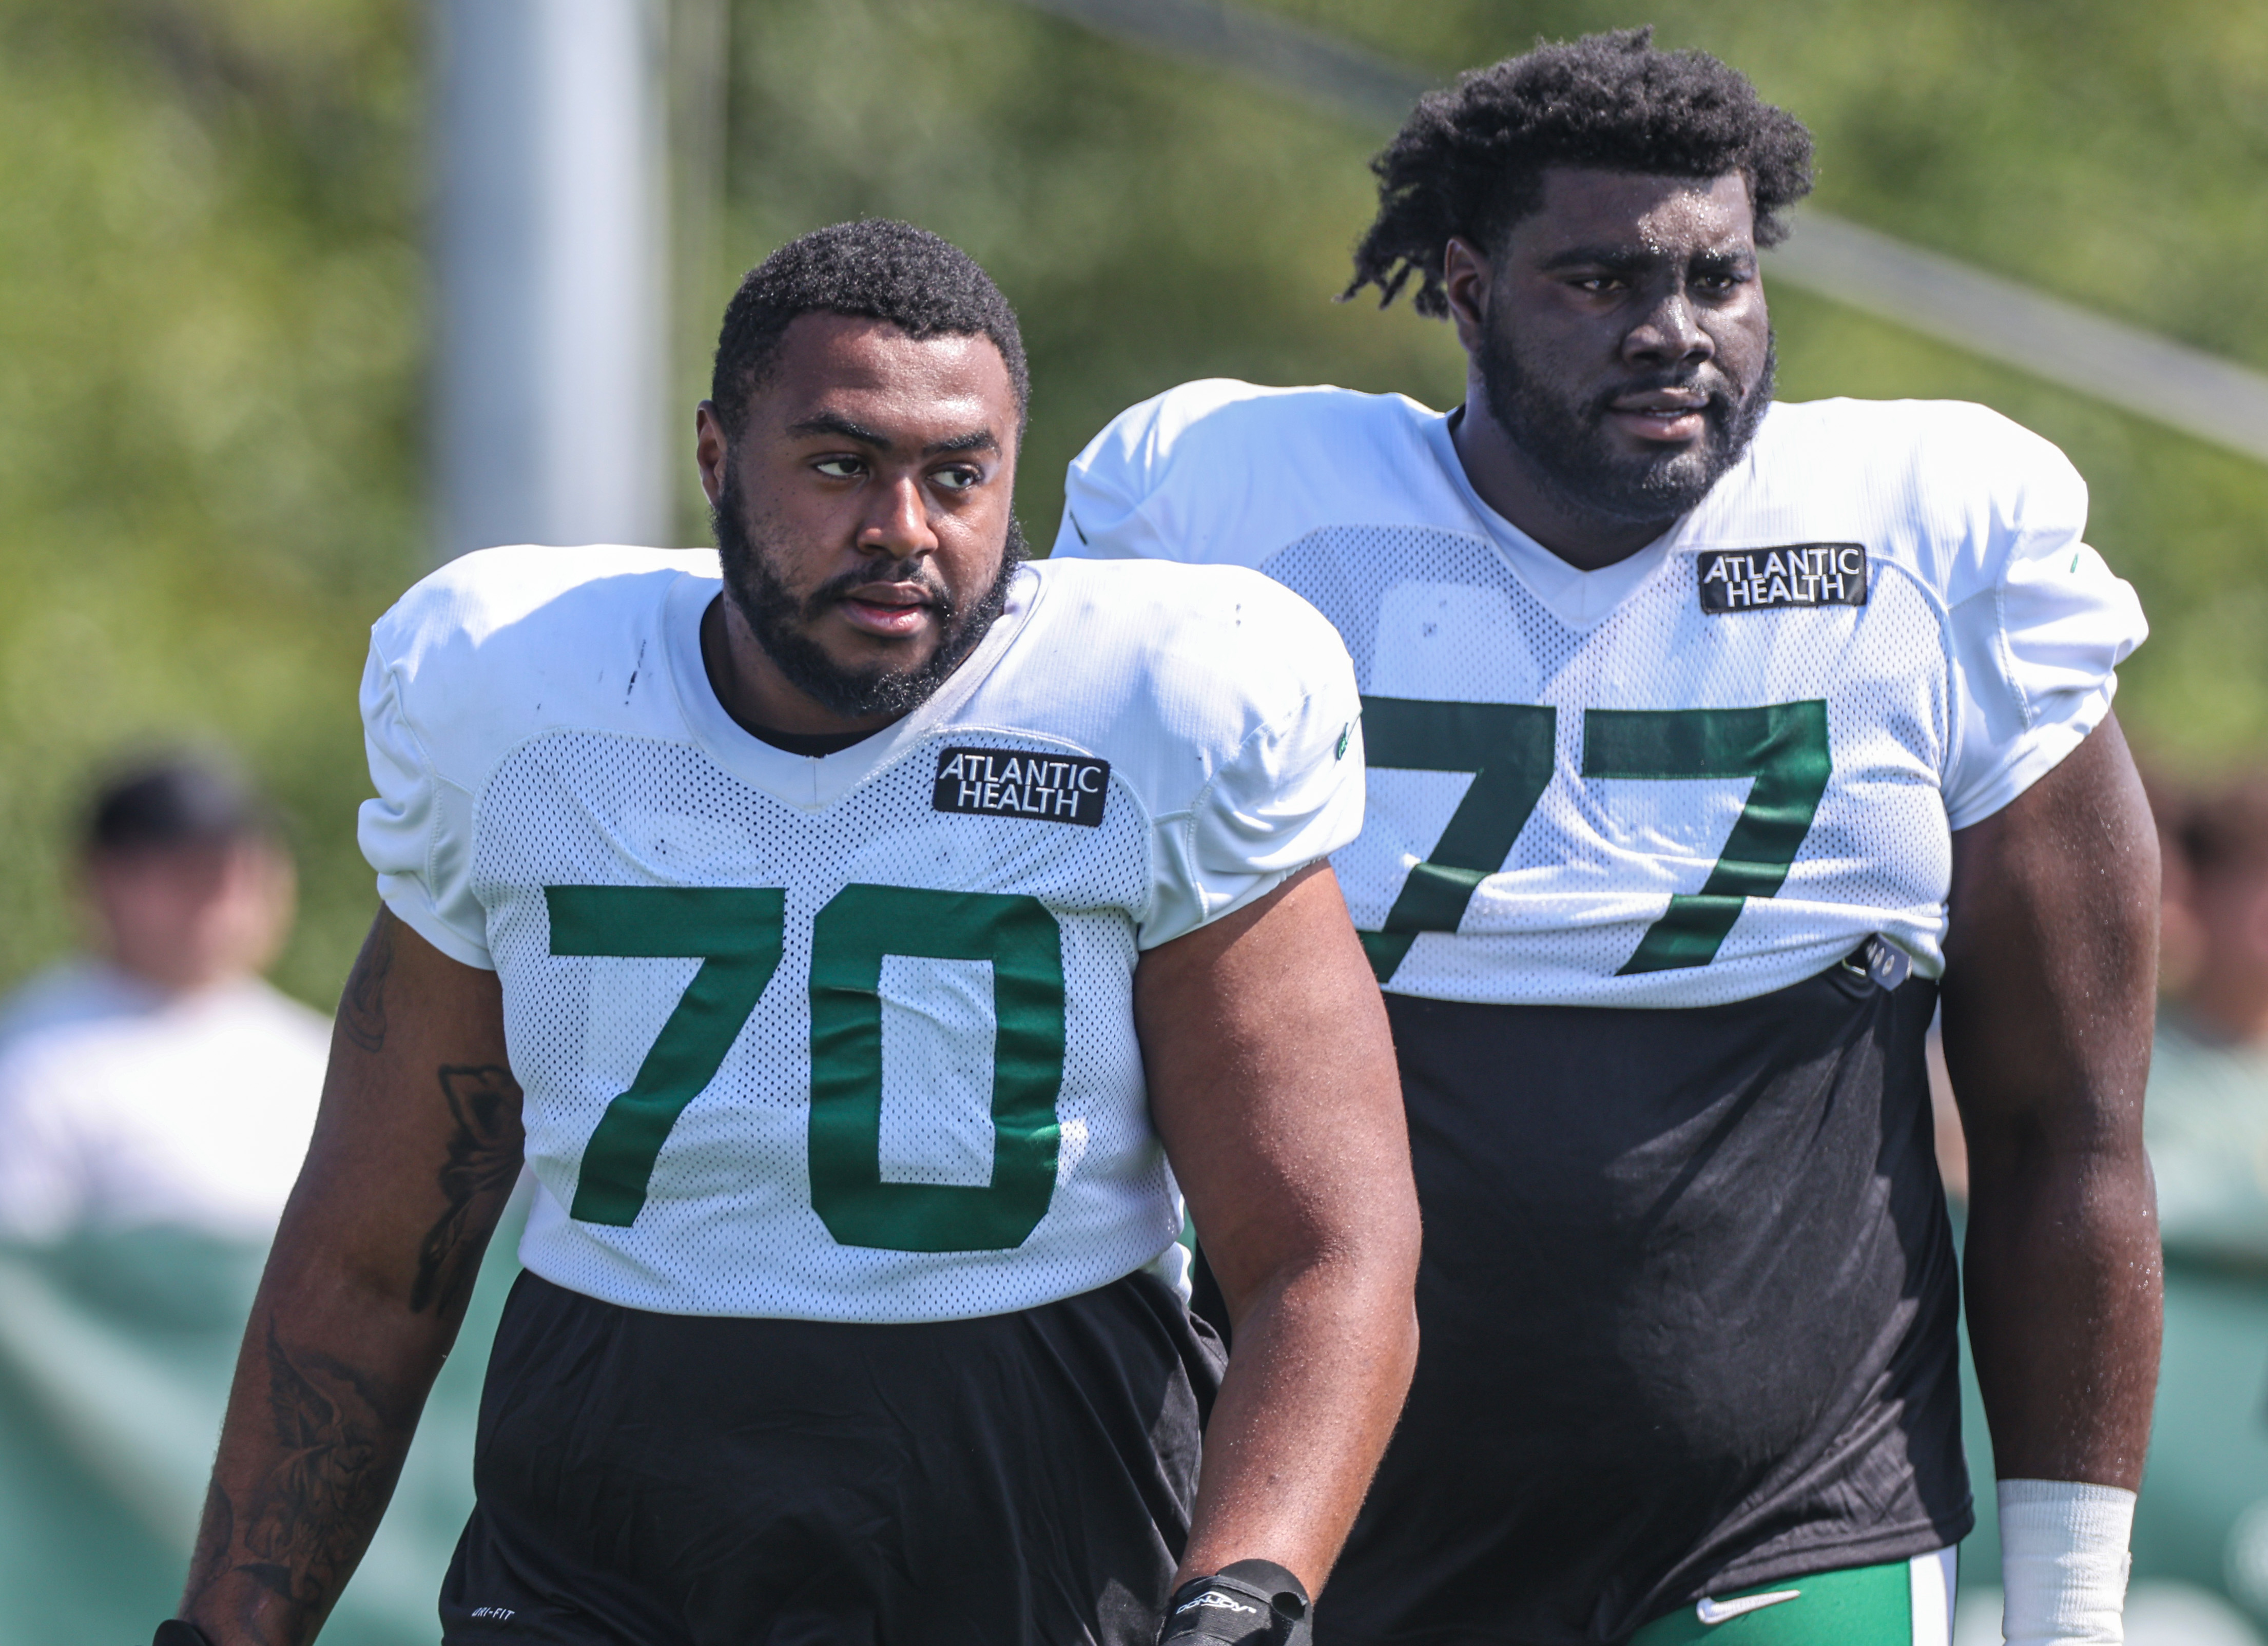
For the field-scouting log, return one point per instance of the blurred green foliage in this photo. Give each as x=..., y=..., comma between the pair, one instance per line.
x=212, y=308
x=211, y=319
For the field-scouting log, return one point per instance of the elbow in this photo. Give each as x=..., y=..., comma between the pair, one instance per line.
x=1377, y=1272
x=2088, y=1171
x=1365, y=1269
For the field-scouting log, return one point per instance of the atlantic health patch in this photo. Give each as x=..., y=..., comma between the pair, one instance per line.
x=1773, y=579
x=1017, y=783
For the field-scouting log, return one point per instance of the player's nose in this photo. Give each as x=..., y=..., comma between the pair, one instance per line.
x=897, y=522
x=1669, y=334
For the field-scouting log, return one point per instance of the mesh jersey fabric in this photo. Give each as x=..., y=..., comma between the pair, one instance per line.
x=1687, y=806
x=798, y=1039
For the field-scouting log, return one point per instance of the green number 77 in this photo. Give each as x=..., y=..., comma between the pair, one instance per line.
x=1783, y=746
x=1508, y=749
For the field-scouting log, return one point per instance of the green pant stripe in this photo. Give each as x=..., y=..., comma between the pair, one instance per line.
x=1864, y=1605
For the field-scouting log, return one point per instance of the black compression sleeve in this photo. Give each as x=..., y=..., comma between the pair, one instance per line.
x=1246, y=1603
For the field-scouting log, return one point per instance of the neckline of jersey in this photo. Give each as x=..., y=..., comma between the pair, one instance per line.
x=814, y=782
x=1577, y=598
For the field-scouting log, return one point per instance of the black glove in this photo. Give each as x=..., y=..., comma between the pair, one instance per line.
x=173, y=1632
x=1246, y=1603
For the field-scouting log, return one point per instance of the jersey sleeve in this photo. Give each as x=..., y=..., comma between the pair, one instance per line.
x=417, y=832
x=2039, y=624
x=1288, y=794
x=1145, y=489
x=1104, y=488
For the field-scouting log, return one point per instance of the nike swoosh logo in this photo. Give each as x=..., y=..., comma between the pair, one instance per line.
x=1725, y=1611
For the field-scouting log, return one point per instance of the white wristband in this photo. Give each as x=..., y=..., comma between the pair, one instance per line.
x=2064, y=1562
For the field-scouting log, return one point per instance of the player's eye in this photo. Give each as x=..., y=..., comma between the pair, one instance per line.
x=959, y=478
x=840, y=468
x=1600, y=283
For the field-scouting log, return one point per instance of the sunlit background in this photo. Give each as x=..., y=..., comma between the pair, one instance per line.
x=219, y=306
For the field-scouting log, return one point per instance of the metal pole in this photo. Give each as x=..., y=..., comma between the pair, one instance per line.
x=552, y=361
x=701, y=57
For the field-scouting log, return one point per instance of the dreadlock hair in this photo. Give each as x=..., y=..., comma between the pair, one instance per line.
x=876, y=268
x=1470, y=161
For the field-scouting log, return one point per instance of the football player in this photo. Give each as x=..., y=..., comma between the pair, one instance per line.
x=1712, y=744
x=859, y=934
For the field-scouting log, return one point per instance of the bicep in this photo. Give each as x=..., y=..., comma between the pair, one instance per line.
x=418, y=1141
x=2050, y=951
x=1272, y=1084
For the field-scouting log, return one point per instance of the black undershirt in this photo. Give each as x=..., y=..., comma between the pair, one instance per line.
x=1689, y=1310
x=813, y=745
x=816, y=744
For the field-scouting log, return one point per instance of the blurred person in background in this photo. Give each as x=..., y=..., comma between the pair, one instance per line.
x=156, y=1100
x=160, y=1080
x=2207, y=1119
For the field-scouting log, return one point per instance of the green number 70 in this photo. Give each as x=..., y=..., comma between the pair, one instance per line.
x=738, y=934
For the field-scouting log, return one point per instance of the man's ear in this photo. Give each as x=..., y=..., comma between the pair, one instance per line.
x=1466, y=277
x=712, y=449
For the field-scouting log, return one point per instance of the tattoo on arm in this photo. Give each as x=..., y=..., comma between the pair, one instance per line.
x=216, y=1533
x=484, y=1161
x=303, y=1526
x=362, y=1010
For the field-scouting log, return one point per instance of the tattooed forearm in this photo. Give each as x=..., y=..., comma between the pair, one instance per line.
x=362, y=1008
x=216, y=1533
x=484, y=1162
x=297, y=1535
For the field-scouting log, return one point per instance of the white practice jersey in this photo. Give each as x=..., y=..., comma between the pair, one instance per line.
x=847, y=1038
x=1694, y=776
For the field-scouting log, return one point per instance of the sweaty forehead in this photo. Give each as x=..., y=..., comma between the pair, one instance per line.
x=1584, y=206
x=844, y=363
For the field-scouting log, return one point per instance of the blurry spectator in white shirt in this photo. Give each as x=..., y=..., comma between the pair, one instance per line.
x=2206, y=1115
x=158, y=1082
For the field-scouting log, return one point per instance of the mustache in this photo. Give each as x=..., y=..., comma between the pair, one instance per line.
x=918, y=571
x=728, y=522
x=1722, y=396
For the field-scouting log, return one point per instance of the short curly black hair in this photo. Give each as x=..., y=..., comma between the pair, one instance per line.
x=1470, y=161
x=877, y=267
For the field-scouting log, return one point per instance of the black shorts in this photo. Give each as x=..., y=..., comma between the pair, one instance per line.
x=1688, y=1310
x=649, y=1479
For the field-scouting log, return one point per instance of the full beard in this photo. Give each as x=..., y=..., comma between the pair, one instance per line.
x=782, y=621
x=1567, y=444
